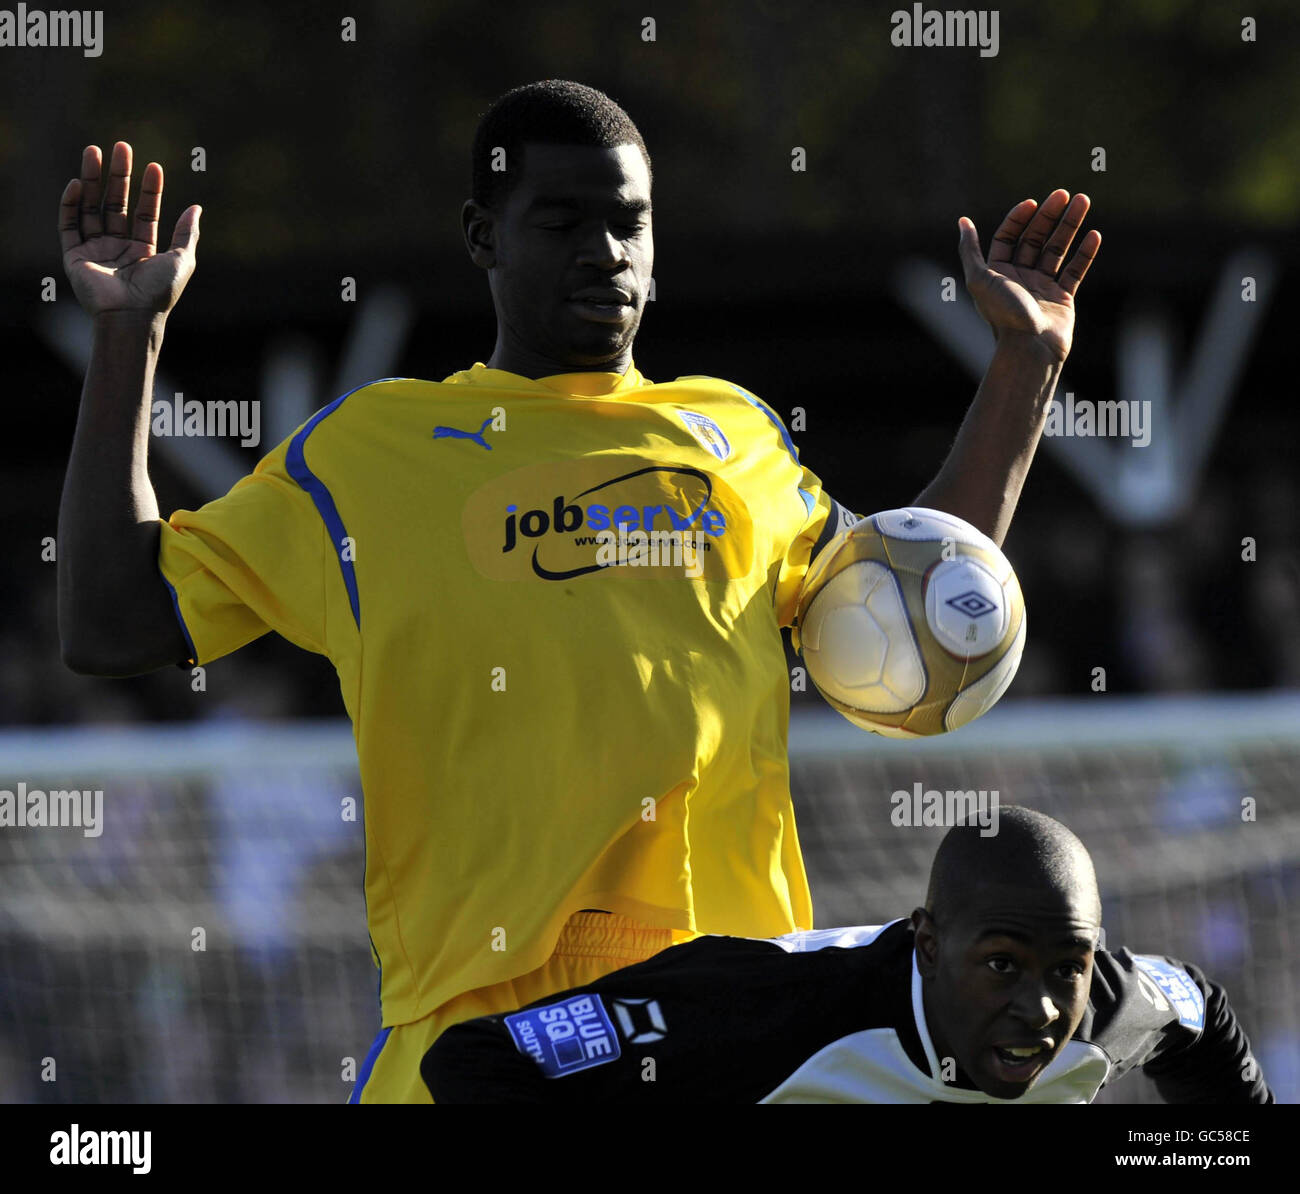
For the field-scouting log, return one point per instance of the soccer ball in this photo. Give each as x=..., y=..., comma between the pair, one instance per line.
x=911, y=623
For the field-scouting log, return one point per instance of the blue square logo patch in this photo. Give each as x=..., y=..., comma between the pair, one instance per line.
x=566, y=1037
x=1177, y=986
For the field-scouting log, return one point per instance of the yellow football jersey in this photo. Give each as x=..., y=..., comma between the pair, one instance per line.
x=554, y=609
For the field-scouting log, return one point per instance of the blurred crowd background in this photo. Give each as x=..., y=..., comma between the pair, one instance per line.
x=329, y=159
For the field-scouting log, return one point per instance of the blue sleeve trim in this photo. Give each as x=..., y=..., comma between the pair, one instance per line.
x=296, y=464
x=809, y=502
x=369, y=1064
x=185, y=630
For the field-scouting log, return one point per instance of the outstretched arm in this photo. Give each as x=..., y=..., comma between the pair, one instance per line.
x=1218, y=1066
x=115, y=612
x=1028, y=301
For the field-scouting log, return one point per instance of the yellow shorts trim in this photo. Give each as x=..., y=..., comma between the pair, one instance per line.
x=591, y=944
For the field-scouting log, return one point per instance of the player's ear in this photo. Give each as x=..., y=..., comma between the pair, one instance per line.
x=479, y=228
x=927, y=943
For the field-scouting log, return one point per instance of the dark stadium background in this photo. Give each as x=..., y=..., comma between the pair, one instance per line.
x=328, y=159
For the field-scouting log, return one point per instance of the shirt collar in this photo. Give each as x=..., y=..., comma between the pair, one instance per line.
x=584, y=385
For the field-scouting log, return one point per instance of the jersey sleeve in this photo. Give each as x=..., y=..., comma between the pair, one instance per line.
x=595, y=1043
x=827, y=518
x=1214, y=1065
x=1167, y=1018
x=824, y=517
x=251, y=561
x=717, y=1019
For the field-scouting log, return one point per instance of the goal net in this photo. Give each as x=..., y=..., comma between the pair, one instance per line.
x=204, y=940
x=1187, y=805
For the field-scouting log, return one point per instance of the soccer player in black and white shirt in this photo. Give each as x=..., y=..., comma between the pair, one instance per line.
x=996, y=991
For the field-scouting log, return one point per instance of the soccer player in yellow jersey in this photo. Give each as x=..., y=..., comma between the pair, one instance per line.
x=551, y=588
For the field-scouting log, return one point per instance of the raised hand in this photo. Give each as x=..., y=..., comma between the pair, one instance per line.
x=1022, y=288
x=110, y=268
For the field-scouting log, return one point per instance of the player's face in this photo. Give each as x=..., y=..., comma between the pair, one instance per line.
x=1010, y=982
x=572, y=254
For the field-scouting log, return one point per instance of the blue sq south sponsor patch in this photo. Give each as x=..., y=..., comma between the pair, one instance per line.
x=1177, y=986
x=565, y=1037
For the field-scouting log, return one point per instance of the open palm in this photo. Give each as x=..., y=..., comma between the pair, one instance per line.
x=109, y=268
x=1022, y=287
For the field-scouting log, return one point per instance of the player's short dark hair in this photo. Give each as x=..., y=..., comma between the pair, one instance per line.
x=552, y=112
x=1029, y=847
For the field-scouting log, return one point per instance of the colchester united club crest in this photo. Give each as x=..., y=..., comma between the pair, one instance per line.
x=707, y=432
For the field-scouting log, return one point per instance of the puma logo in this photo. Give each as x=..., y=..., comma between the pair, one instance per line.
x=457, y=433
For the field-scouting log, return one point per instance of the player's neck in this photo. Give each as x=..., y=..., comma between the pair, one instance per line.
x=523, y=362
x=942, y=1049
